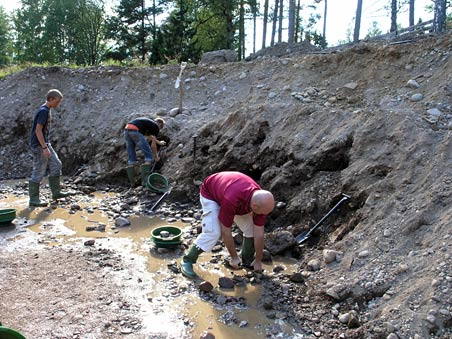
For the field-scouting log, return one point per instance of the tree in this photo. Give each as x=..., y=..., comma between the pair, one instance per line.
x=241, y=46
x=130, y=29
x=5, y=38
x=87, y=33
x=59, y=32
x=29, y=26
x=393, y=16
x=254, y=12
x=373, y=31
x=411, y=13
x=439, y=18
x=359, y=9
x=291, y=28
x=324, y=24
x=264, y=29
x=274, y=21
x=297, y=22
x=280, y=20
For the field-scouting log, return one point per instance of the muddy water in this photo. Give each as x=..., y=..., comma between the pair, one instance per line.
x=172, y=298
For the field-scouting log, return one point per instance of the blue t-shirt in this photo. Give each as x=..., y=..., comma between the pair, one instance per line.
x=42, y=117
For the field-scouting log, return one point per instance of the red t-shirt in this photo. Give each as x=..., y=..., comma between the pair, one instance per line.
x=233, y=192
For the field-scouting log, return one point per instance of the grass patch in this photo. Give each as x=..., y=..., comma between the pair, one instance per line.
x=8, y=70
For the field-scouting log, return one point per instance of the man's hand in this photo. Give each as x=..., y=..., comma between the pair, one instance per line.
x=235, y=263
x=46, y=153
x=257, y=266
x=162, y=143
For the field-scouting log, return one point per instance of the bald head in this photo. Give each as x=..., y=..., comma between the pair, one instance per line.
x=262, y=202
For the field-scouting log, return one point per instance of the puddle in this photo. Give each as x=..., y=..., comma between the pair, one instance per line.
x=173, y=302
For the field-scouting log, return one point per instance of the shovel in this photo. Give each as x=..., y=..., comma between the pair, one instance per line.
x=155, y=162
x=168, y=191
x=306, y=235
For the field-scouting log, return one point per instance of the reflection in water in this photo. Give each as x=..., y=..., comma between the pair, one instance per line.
x=172, y=298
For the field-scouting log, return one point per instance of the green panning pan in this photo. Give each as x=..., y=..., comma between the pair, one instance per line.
x=7, y=333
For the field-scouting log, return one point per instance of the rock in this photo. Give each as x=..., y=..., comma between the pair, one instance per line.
x=266, y=257
x=338, y=292
x=296, y=278
x=243, y=323
x=417, y=97
x=205, y=286
x=122, y=222
x=392, y=336
x=229, y=318
x=278, y=269
x=329, y=256
x=75, y=207
x=89, y=242
x=162, y=250
x=353, y=322
x=215, y=57
x=351, y=85
x=271, y=315
x=277, y=242
x=363, y=254
x=174, y=111
x=313, y=265
x=225, y=282
x=412, y=84
x=431, y=319
x=435, y=113
x=267, y=302
x=206, y=335
x=344, y=318
x=221, y=300
x=272, y=95
x=280, y=205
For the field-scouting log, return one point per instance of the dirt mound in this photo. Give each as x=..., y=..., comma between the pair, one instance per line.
x=373, y=121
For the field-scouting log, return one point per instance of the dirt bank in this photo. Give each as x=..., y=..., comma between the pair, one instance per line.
x=373, y=121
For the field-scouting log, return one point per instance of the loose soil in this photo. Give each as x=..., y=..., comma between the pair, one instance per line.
x=372, y=120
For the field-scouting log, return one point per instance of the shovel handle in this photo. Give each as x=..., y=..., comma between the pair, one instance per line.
x=345, y=197
x=161, y=198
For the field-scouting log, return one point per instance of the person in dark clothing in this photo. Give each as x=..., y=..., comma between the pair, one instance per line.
x=43, y=153
x=140, y=132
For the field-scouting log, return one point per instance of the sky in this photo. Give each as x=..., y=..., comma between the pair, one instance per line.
x=340, y=18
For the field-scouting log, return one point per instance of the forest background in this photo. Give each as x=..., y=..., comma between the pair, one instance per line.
x=129, y=32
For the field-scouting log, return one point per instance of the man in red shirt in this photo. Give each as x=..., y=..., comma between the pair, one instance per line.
x=228, y=197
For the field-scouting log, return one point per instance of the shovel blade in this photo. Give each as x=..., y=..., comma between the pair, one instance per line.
x=302, y=237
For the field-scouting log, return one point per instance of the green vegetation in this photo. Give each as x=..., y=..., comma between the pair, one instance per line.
x=78, y=32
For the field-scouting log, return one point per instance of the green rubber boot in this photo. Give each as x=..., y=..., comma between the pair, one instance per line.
x=131, y=175
x=145, y=171
x=54, y=183
x=248, y=252
x=33, y=192
x=186, y=265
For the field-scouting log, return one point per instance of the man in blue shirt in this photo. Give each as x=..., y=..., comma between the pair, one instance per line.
x=43, y=153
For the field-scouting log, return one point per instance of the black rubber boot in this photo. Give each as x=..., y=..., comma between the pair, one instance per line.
x=33, y=192
x=54, y=183
x=145, y=171
x=186, y=265
x=248, y=252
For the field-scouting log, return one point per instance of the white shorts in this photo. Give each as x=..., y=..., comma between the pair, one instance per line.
x=211, y=227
